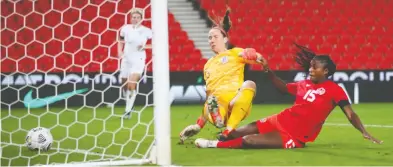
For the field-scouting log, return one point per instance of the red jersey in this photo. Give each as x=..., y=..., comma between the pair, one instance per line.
x=313, y=104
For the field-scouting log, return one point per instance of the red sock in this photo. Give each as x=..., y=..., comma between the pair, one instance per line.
x=235, y=143
x=201, y=122
x=226, y=132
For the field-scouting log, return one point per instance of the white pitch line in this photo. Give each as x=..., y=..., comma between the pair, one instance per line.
x=62, y=150
x=373, y=126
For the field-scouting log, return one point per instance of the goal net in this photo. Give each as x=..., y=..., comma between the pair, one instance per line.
x=60, y=70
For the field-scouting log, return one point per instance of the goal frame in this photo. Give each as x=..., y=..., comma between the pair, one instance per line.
x=159, y=152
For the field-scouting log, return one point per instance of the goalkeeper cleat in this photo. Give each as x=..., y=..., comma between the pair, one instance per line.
x=204, y=143
x=212, y=106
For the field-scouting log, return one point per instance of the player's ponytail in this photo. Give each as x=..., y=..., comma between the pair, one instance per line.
x=304, y=56
x=224, y=24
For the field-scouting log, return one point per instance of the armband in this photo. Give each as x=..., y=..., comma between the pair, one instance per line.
x=343, y=103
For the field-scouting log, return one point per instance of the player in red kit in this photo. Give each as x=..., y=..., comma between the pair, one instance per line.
x=295, y=126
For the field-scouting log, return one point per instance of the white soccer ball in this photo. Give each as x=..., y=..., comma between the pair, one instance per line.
x=39, y=139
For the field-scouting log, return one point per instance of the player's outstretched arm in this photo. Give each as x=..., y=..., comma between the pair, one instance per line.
x=277, y=81
x=192, y=130
x=357, y=123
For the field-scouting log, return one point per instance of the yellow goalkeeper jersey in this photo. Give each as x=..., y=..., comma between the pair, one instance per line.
x=224, y=73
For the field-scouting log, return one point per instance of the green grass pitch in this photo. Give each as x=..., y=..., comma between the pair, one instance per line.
x=97, y=131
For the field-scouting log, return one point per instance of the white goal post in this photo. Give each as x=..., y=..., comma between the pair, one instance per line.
x=161, y=81
x=68, y=148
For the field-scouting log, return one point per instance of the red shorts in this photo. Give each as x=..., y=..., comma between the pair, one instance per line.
x=270, y=124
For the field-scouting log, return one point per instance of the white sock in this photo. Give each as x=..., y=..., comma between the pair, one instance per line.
x=124, y=93
x=214, y=143
x=128, y=94
x=130, y=100
x=133, y=97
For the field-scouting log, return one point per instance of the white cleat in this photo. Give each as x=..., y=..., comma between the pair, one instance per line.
x=127, y=115
x=204, y=143
x=189, y=131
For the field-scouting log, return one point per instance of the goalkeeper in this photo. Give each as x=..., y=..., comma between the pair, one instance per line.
x=229, y=96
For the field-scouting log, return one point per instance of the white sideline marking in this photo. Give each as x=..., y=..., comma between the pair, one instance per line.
x=373, y=126
x=62, y=150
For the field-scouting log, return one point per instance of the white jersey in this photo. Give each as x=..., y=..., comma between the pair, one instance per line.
x=134, y=37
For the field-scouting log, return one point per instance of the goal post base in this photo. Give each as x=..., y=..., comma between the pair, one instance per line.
x=149, y=158
x=153, y=154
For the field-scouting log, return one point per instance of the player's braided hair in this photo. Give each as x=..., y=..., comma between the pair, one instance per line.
x=328, y=62
x=223, y=24
x=305, y=55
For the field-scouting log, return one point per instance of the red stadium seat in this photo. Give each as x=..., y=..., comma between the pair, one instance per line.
x=64, y=37
x=341, y=28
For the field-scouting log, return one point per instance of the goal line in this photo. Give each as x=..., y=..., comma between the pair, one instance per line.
x=108, y=158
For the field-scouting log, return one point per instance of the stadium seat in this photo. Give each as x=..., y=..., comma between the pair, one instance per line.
x=71, y=40
x=343, y=25
x=341, y=28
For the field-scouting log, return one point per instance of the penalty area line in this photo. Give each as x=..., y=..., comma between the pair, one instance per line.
x=366, y=125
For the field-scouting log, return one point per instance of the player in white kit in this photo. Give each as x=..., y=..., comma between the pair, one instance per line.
x=133, y=38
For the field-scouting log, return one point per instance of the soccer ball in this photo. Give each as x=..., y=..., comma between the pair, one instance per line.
x=39, y=139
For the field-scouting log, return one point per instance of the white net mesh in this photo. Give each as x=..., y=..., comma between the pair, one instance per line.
x=60, y=71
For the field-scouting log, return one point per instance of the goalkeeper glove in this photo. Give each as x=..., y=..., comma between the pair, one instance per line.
x=249, y=54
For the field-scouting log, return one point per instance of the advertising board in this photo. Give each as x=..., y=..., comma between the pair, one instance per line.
x=58, y=89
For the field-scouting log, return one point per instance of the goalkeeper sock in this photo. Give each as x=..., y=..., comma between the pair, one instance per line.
x=235, y=143
x=201, y=121
x=241, y=108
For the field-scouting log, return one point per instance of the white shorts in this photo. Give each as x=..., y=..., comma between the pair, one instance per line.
x=132, y=66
